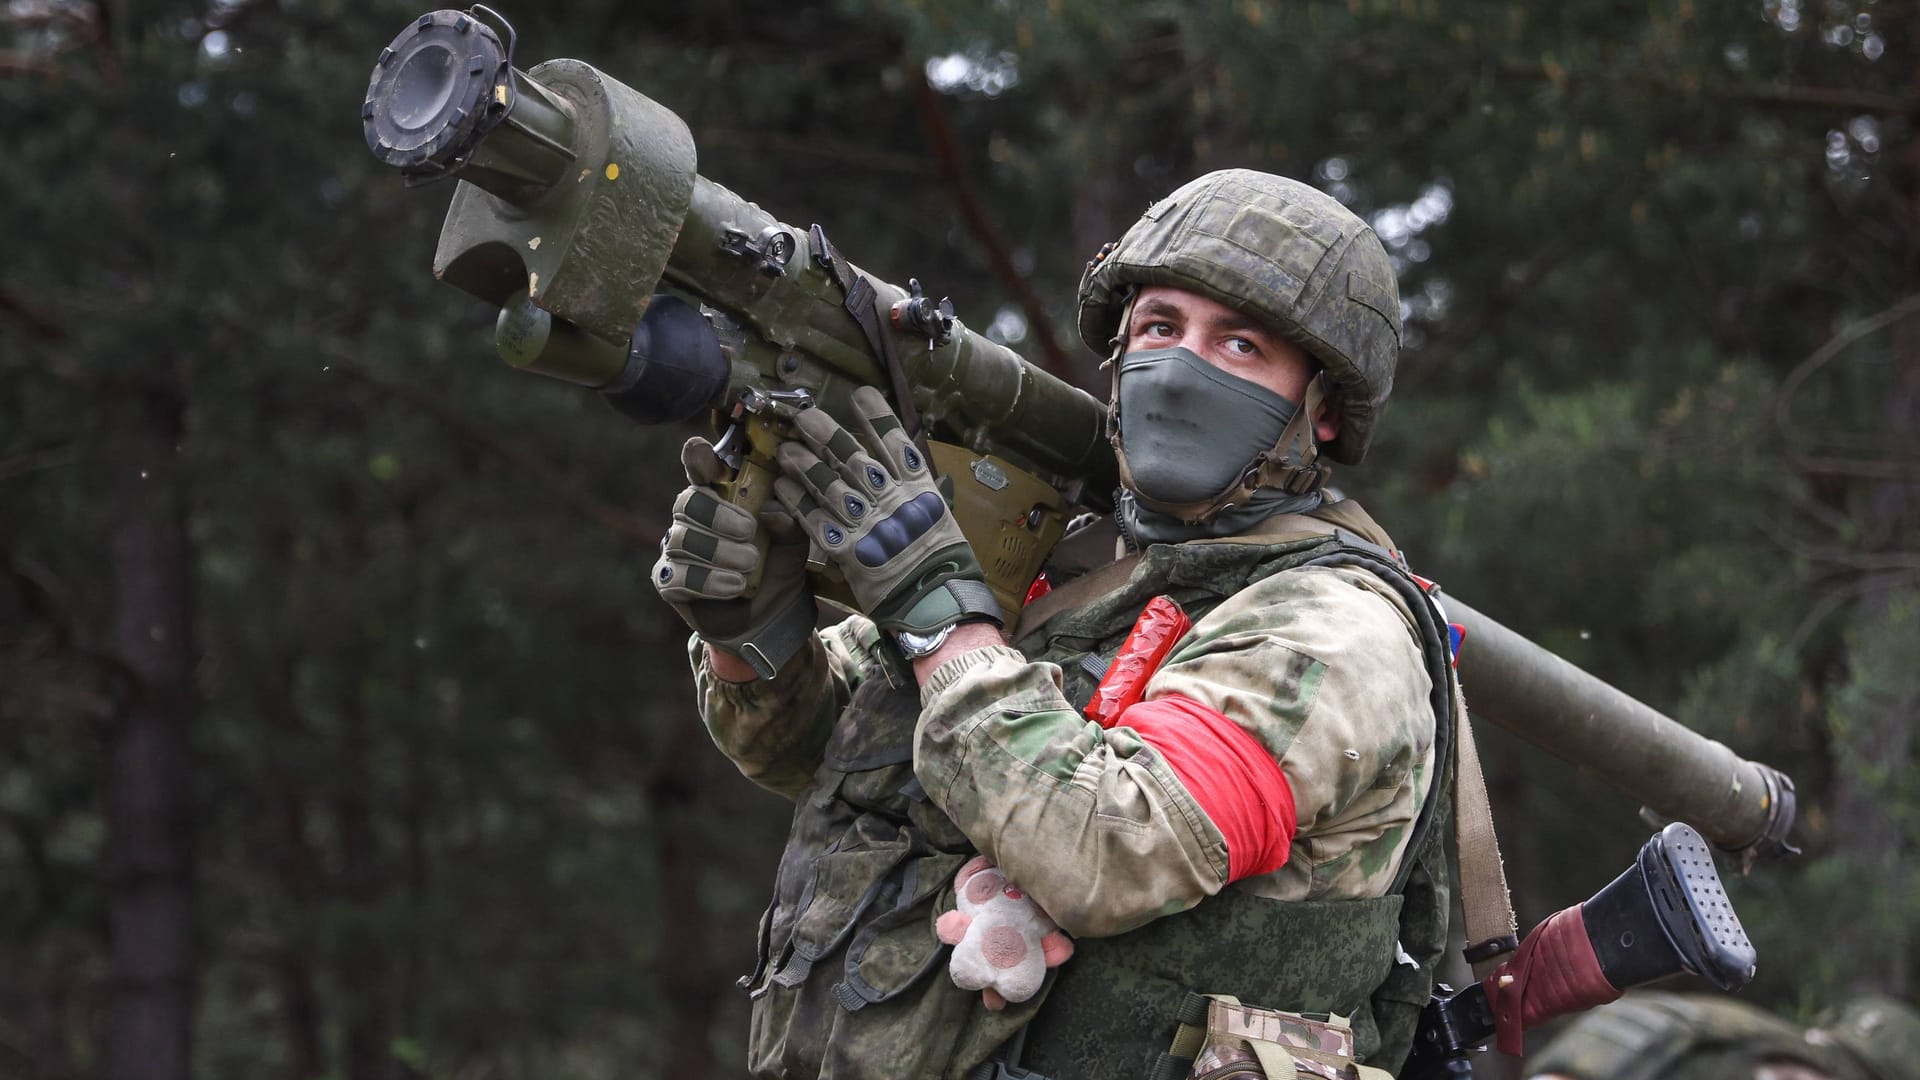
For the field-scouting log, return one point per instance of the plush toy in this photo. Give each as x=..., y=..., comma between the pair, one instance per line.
x=1002, y=942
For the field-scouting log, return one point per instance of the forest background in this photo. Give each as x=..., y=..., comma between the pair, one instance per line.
x=340, y=727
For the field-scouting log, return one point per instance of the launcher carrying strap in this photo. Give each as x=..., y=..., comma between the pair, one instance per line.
x=864, y=304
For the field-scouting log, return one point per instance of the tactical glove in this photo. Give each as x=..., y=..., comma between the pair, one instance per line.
x=708, y=557
x=870, y=504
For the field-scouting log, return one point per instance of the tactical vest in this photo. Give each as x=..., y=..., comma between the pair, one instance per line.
x=850, y=980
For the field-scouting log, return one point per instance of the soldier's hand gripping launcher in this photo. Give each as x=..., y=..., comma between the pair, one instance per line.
x=617, y=266
x=1666, y=914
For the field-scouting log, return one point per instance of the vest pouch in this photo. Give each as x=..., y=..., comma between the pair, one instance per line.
x=872, y=998
x=1246, y=1042
x=844, y=885
x=762, y=941
x=892, y=1011
x=898, y=948
x=859, y=986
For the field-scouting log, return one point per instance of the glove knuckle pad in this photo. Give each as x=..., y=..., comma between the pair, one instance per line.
x=888, y=538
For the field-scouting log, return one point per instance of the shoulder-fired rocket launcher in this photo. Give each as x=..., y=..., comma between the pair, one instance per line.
x=616, y=266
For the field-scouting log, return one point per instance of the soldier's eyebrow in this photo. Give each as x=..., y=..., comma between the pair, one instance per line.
x=1230, y=321
x=1157, y=308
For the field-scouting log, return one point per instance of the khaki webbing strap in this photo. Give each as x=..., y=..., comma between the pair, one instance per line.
x=1176, y=1062
x=1275, y=1060
x=1074, y=593
x=872, y=314
x=1189, y=1040
x=1486, y=907
x=1328, y=520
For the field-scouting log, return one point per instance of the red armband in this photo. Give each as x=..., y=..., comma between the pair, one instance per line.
x=1237, y=783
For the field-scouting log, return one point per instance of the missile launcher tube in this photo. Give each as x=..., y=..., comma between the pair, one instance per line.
x=1674, y=771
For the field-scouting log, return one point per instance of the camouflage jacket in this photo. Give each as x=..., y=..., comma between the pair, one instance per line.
x=1320, y=664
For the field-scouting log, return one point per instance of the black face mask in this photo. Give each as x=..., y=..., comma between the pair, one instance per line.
x=1189, y=428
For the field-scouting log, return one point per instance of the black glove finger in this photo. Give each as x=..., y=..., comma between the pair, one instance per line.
x=692, y=543
x=680, y=582
x=703, y=506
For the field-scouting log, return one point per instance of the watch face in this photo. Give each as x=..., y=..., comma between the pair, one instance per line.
x=915, y=645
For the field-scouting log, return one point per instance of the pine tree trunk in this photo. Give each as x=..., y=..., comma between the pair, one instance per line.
x=299, y=872
x=363, y=966
x=684, y=967
x=149, y=854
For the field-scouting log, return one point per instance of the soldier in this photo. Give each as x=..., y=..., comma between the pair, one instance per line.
x=1265, y=821
x=1656, y=1036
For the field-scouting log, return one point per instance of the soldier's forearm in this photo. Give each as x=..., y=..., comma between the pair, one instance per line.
x=1091, y=823
x=772, y=729
x=965, y=638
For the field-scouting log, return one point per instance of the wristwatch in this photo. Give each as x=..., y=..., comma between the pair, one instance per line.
x=913, y=646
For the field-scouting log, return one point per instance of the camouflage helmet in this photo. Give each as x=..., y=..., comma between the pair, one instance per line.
x=1281, y=251
x=1879, y=1032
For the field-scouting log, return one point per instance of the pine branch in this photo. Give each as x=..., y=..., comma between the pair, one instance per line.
x=946, y=155
x=1820, y=98
x=1825, y=354
x=1784, y=98
x=611, y=518
x=39, y=597
x=38, y=325
x=838, y=151
x=1865, y=470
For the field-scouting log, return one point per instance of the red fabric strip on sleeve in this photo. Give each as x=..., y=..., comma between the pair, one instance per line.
x=1236, y=782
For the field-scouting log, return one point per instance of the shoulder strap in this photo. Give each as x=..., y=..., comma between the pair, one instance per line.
x=1074, y=593
x=1486, y=906
x=1332, y=519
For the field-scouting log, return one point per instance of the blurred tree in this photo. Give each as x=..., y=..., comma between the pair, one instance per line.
x=427, y=735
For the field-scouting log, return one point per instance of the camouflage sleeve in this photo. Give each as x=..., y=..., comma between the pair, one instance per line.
x=775, y=730
x=1318, y=665
x=1091, y=822
x=1322, y=665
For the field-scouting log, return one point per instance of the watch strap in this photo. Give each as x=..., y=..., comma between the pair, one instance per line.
x=950, y=602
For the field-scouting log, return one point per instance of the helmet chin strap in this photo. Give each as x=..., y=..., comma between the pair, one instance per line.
x=1291, y=465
